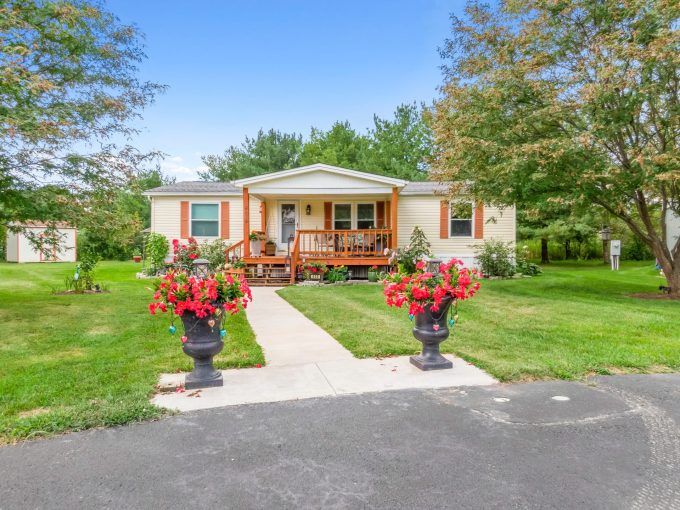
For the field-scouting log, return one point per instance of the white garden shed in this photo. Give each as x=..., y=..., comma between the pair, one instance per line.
x=20, y=248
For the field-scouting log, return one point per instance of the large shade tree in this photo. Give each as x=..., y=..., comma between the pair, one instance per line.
x=68, y=93
x=267, y=152
x=573, y=102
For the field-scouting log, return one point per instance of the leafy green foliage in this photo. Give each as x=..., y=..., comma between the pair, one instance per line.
x=69, y=89
x=398, y=147
x=267, y=152
x=337, y=274
x=495, y=258
x=156, y=250
x=572, y=103
x=213, y=252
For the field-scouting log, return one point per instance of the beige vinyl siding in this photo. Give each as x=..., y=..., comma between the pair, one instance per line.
x=315, y=221
x=423, y=211
x=165, y=215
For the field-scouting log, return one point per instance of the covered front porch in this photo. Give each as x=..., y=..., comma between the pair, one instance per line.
x=303, y=216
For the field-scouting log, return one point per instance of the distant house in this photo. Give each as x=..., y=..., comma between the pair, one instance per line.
x=21, y=249
x=327, y=214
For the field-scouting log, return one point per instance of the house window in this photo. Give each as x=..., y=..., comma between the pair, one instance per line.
x=366, y=216
x=205, y=220
x=461, y=220
x=342, y=216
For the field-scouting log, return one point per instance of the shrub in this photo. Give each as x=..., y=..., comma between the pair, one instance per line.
x=184, y=254
x=495, y=258
x=524, y=265
x=337, y=274
x=156, y=249
x=213, y=252
x=417, y=249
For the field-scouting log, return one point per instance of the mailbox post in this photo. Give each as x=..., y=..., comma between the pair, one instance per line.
x=615, y=252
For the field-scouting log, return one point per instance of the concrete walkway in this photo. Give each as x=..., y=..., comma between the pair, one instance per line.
x=286, y=336
x=304, y=361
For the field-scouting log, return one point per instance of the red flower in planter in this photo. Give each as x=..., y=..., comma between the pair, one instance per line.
x=428, y=289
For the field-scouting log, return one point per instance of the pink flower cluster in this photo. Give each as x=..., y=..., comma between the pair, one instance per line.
x=426, y=288
x=178, y=292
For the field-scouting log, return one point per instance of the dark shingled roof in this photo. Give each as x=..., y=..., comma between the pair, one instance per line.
x=196, y=187
x=411, y=188
x=423, y=188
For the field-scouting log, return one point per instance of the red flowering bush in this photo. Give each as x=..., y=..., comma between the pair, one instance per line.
x=184, y=254
x=424, y=288
x=314, y=268
x=177, y=292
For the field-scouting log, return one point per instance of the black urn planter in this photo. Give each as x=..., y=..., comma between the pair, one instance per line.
x=430, y=358
x=203, y=343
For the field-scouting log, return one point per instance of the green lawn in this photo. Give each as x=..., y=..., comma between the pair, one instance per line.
x=80, y=361
x=570, y=322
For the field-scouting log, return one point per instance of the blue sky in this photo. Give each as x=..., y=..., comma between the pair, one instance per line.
x=233, y=67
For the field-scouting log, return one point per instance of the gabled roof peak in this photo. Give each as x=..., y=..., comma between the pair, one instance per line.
x=321, y=167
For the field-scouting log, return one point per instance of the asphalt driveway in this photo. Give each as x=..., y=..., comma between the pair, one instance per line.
x=614, y=444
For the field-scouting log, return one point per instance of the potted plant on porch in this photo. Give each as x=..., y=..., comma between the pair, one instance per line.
x=201, y=304
x=255, y=239
x=270, y=248
x=431, y=296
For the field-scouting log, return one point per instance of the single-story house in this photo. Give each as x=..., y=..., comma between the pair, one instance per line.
x=19, y=247
x=325, y=213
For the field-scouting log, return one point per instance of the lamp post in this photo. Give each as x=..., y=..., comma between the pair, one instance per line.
x=605, y=236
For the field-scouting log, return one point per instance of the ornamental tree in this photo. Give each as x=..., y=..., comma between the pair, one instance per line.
x=570, y=102
x=68, y=93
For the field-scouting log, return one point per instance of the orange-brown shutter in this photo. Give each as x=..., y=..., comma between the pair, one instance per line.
x=184, y=219
x=388, y=214
x=479, y=221
x=328, y=215
x=380, y=214
x=224, y=220
x=444, y=218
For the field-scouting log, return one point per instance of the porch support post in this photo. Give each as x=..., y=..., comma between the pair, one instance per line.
x=246, y=222
x=393, y=210
x=263, y=223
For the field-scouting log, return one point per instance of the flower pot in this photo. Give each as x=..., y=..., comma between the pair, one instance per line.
x=270, y=249
x=430, y=358
x=372, y=276
x=203, y=343
x=255, y=248
x=137, y=258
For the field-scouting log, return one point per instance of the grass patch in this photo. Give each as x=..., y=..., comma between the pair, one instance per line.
x=72, y=362
x=575, y=320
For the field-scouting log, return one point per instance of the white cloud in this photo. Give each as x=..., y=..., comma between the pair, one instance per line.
x=176, y=166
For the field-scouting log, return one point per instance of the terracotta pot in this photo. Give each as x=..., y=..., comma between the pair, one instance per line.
x=137, y=258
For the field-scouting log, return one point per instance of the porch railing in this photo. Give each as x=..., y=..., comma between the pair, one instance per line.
x=234, y=252
x=343, y=243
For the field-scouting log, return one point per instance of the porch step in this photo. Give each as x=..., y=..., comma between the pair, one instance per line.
x=267, y=275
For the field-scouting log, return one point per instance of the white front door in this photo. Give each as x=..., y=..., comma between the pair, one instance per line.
x=288, y=220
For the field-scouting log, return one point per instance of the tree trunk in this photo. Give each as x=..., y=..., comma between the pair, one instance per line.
x=544, y=252
x=673, y=280
x=567, y=249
